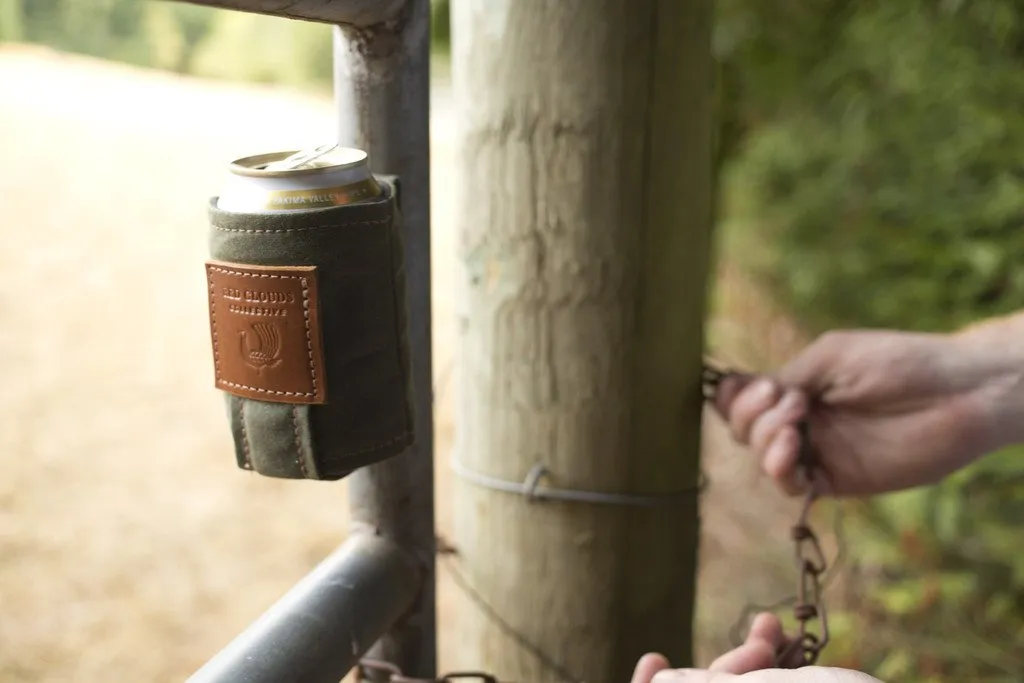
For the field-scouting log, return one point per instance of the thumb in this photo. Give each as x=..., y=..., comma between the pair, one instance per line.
x=649, y=665
x=804, y=675
x=807, y=674
x=728, y=389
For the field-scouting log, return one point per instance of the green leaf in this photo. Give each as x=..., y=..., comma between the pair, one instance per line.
x=896, y=665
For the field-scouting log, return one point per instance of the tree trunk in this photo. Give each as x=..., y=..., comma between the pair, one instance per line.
x=585, y=203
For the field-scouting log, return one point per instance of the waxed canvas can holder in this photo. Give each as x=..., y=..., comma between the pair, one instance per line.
x=308, y=326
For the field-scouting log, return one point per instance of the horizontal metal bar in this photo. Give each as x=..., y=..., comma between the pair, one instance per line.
x=319, y=629
x=359, y=13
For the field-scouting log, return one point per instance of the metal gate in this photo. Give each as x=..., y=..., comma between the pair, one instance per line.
x=375, y=594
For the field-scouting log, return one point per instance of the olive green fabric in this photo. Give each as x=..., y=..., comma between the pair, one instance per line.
x=361, y=280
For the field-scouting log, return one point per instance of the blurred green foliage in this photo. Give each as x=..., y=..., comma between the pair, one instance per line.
x=872, y=176
x=883, y=183
x=940, y=596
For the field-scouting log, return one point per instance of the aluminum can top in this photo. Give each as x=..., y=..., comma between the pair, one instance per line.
x=292, y=180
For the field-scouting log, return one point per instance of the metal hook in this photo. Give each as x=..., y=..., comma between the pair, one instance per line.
x=533, y=477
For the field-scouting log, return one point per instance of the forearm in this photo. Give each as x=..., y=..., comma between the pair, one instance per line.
x=995, y=347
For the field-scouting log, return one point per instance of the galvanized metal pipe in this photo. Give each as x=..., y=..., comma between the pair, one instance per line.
x=382, y=90
x=319, y=629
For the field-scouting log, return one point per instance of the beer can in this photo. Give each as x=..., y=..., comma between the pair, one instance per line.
x=293, y=180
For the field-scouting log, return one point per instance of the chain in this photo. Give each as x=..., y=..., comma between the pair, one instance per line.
x=804, y=649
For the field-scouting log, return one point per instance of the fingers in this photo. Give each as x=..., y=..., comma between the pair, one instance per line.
x=757, y=652
x=779, y=460
x=785, y=413
x=763, y=415
x=748, y=657
x=810, y=674
x=768, y=628
x=731, y=385
x=751, y=403
x=648, y=666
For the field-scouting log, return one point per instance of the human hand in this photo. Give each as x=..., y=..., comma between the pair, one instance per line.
x=885, y=410
x=808, y=674
x=751, y=662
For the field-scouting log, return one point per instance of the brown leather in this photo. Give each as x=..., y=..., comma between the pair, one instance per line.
x=265, y=325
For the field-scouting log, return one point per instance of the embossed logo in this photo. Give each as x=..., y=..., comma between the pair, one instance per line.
x=266, y=353
x=265, y=328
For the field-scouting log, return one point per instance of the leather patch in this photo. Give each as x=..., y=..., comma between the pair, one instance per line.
x=265, y=325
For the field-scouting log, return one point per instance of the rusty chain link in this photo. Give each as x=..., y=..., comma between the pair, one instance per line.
x=804, y=649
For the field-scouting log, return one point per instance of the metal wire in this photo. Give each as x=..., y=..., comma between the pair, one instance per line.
x=531, y=489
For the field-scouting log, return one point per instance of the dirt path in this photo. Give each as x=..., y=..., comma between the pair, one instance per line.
x=131, y=548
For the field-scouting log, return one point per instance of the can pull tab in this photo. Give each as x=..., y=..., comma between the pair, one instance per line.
x=299, y=158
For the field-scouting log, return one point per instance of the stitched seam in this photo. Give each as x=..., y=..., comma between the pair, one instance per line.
x=245, y=438
x=213, y=319
x=266, y=276
x=305, y=315
x=309, y=336
x=307, y=228
x=235, y=385
x=298, y=443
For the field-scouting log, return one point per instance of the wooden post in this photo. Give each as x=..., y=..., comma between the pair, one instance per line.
x=584, y=210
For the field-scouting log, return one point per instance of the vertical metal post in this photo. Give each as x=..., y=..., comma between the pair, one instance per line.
x=381, y=80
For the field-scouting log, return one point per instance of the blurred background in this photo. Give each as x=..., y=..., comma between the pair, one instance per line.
x=869, y=174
